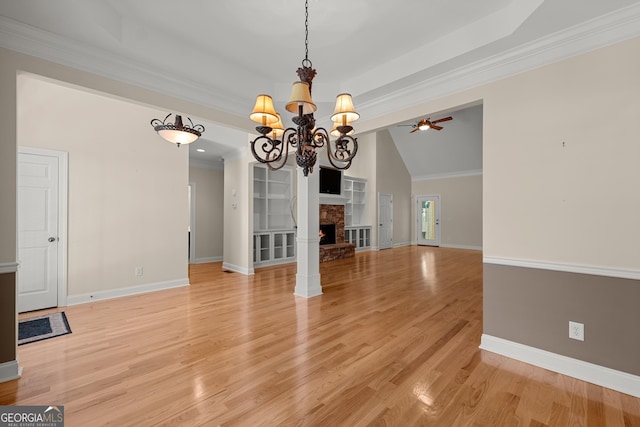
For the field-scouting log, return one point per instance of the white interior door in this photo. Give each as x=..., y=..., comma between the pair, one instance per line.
x=38, y=230
x=428, y=220
x=385, y=221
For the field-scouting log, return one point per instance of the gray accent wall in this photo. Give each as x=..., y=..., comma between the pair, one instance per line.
x=7, y=317
x=533, y=307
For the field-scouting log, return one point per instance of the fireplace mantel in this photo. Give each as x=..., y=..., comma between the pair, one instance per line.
x=333, y=199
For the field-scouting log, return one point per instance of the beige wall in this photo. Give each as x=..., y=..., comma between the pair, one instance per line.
x=461, y=209
x=392, y=177
x=561, y=161
x=209, y=213
x=127, y=187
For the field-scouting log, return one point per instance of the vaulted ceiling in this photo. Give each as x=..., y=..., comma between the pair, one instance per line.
x=389, y=55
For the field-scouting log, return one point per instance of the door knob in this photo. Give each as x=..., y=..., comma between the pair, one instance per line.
x=51, y=239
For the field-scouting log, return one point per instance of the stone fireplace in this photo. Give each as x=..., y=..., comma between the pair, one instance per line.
x=333, y=217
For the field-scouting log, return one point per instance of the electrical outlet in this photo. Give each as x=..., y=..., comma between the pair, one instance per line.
x=576, y=331
x=138, y=271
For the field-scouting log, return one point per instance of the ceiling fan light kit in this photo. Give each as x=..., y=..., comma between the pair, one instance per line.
x=426, y=124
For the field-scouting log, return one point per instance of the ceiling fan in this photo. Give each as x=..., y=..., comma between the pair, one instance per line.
x=425, y=124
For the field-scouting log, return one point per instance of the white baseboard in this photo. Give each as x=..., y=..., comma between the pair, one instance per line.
x=10, y=371
x=599, y=375
x=473, y=248
x=237, y=269
x=123, y=292
x=399, y=245
x=569, y=268
x=206, y=260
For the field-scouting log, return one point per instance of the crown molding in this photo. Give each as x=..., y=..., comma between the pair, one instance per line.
x=615, y=27
x=42, y=44
x=596, y=33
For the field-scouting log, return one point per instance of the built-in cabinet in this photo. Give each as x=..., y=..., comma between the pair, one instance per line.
x=273, y=230
x=274, y=247
x=354, y=208
x=359, y=236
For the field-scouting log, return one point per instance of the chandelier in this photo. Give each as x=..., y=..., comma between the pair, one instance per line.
x=177, y=132
x=272, y=146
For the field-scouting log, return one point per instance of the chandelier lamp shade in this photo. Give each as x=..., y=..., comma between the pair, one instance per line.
x=177, y=132
x=272, y=145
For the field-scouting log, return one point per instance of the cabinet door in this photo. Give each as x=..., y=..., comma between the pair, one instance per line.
x=264, y=245
x=278, y=245
x=350, y=236
x=291, y=245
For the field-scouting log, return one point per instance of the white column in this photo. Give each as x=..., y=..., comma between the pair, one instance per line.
x=308, y=276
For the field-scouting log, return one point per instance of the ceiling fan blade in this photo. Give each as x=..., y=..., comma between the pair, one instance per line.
x=446, y=119
x=416, y=129
x=436, y=127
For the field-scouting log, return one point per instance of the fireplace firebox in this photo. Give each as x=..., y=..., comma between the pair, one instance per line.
x=327, y=234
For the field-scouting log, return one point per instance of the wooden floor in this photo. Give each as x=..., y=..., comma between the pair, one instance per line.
x=392, y=341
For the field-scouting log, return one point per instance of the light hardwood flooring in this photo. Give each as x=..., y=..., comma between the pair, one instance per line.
x=392, y=341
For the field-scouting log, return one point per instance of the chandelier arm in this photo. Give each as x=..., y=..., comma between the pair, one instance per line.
x=289, y=138
x=342, y=154
x=319, y=138
x=271, y=149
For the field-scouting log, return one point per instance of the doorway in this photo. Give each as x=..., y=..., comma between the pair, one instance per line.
x=428, y=220
x=42, y=233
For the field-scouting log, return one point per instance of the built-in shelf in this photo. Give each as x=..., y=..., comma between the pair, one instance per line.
x=354, y=190
x=273, y=230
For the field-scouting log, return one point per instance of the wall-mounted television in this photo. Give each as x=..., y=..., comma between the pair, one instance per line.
x=330, y=181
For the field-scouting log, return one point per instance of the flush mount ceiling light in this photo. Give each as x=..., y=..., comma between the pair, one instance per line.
x=272, y=146
x=177, y=133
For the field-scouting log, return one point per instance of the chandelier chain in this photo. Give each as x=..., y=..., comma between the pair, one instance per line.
x=306, y=62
